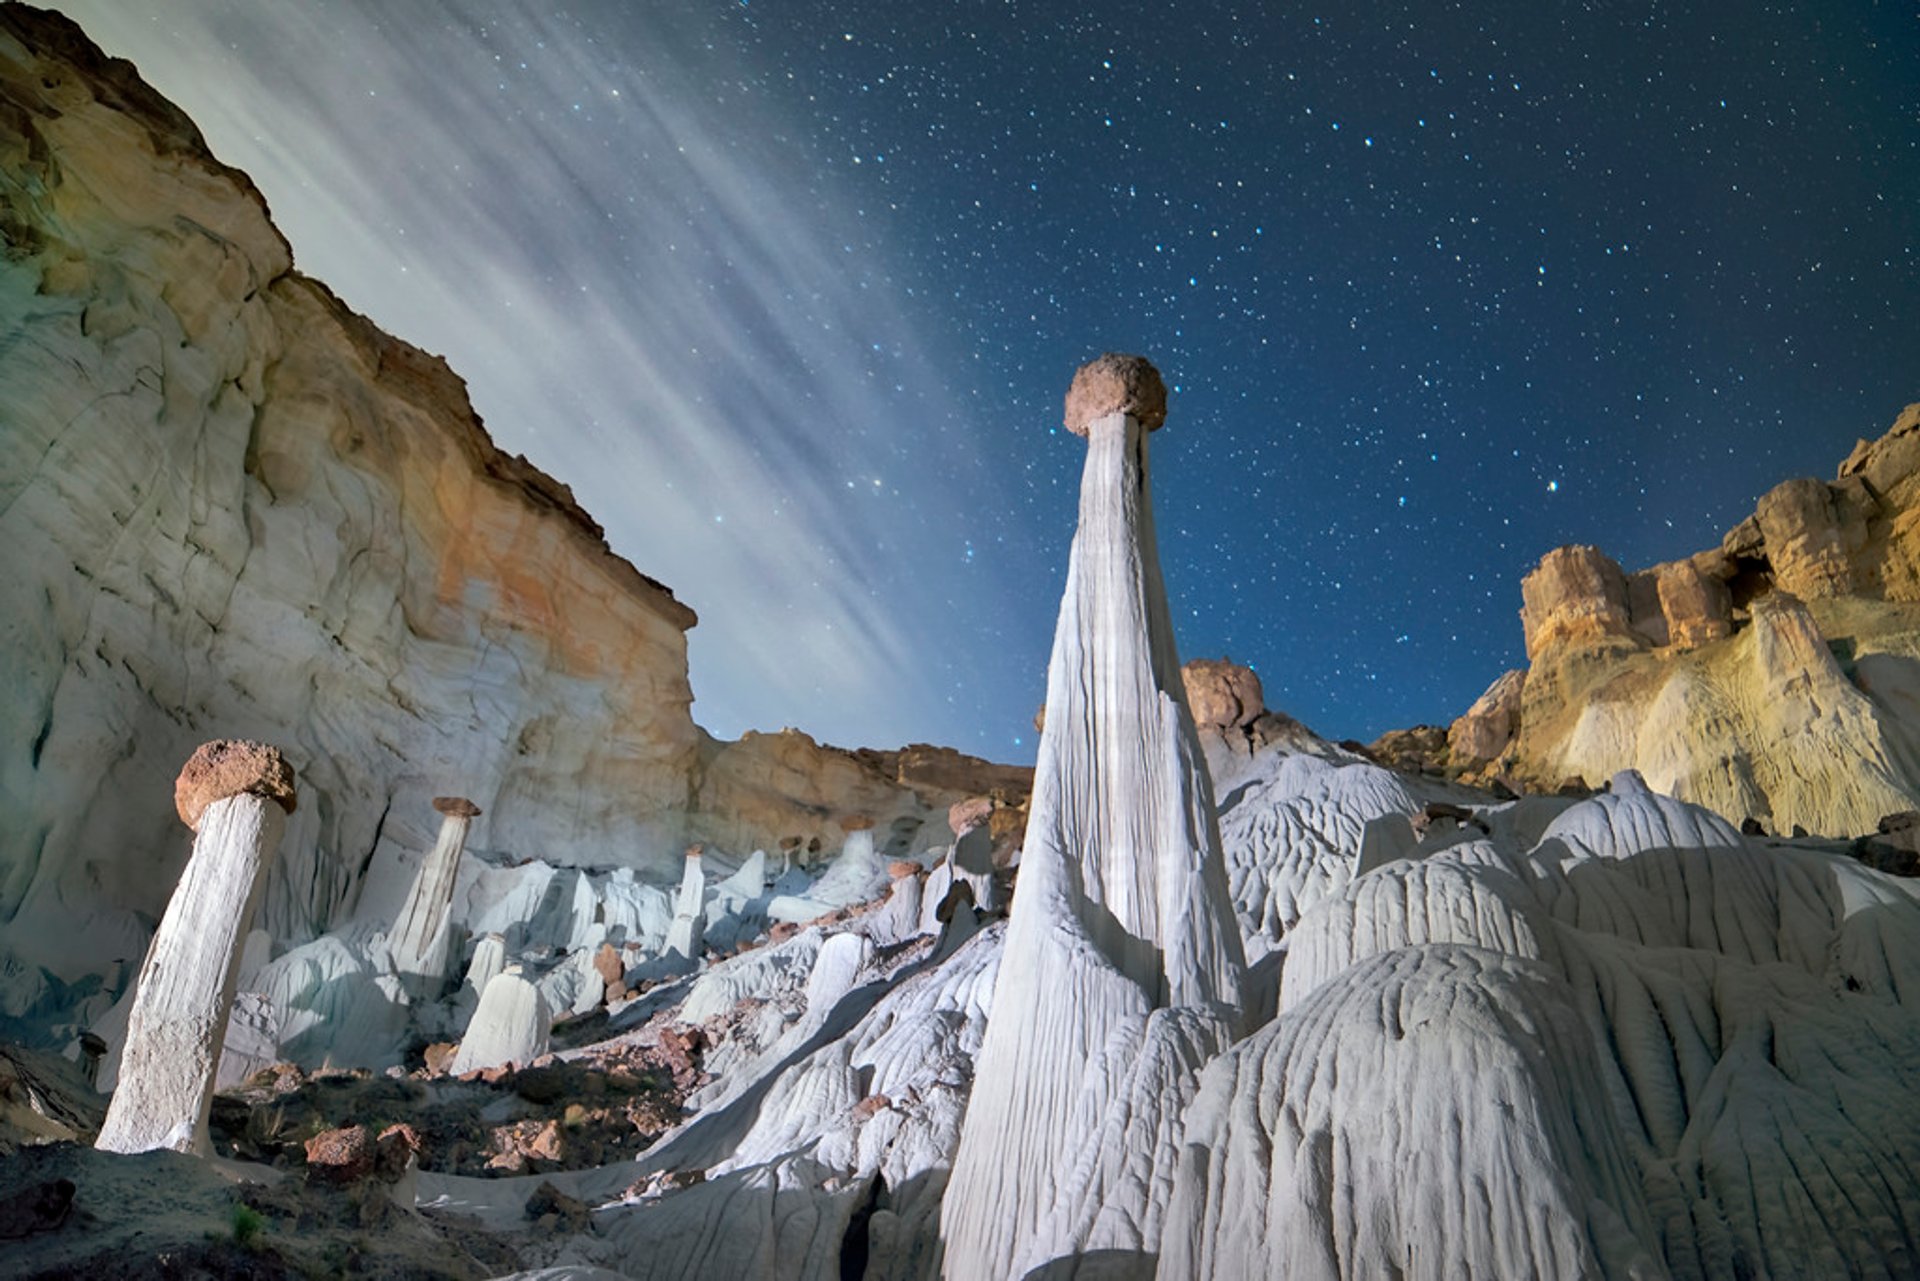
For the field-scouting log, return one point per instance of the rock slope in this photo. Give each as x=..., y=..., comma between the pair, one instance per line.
x=234, y=508
x=1775, y=677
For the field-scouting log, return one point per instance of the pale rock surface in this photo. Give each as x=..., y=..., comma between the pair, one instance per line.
x=236, y=796
x=868, y=1116
x=686, y=937
x=1294, y=838
x=421, y=941
x=1611, y=1052
x=1123, y=910
x=511, y=1026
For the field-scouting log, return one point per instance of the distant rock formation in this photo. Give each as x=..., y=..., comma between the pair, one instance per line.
x=1773, y=678
x=232, y=506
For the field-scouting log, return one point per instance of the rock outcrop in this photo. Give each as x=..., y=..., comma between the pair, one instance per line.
x=1774, y=678
x=233, y=506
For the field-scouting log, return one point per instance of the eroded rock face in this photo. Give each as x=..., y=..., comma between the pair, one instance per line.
x=1772, y=678
x=233, y=506
x=1576, y=597
x=1486, y=729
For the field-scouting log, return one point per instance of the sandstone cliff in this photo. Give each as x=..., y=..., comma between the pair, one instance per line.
x=233, y=507
x=1775, y=677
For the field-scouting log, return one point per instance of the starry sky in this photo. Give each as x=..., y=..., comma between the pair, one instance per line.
x=790, y=294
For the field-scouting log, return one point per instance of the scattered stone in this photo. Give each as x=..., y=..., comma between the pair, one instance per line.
x=553, y=1209
x=345, y=1155
x=867, y=1107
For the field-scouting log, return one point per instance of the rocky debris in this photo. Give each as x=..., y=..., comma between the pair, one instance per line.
x=554, y=1211
x=1423, y=749
x=345, y=1155
x=526, y=1145
x=609, y=962
x=236, y=797
x=1894, y=846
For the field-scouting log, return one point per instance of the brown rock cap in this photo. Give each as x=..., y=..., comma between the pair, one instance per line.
x=696, y=849
x=964, y=816
x=228, y=767
x=1116, y=383
x=857, y=823
x=456, y=806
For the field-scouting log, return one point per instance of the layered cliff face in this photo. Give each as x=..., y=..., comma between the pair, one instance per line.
x=1775, y=677
x=233, y=507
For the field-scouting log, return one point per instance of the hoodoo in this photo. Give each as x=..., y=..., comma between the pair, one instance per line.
x=421, y=944
x=1123, y=967
x=235, y=796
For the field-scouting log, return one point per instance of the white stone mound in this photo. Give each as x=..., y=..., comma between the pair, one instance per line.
x=510, y=1027
x=1644, y=1047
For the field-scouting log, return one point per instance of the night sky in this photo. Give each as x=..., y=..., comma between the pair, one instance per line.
x=790, y=295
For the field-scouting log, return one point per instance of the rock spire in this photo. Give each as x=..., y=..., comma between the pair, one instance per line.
x=235, y=795
x=1122, y=958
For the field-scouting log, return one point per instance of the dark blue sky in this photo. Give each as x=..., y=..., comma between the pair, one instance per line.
x=790, y=295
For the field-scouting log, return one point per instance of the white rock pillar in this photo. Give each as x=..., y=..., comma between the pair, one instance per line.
x=510, y=1027
x=1122, y=913
x=972, y=856
x=235, y=796
x=686, y=937
x=421, y=945
x=489, y=958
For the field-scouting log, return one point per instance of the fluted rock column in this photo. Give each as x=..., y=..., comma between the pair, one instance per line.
x=686, y=937
x=235, y=796
x=1122, y=957
x=421, y=945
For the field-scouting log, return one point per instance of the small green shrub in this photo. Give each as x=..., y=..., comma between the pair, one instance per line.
x=247, y=1223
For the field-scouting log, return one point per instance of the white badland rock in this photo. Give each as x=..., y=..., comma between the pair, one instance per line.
x=865, y=1116
x=510, y=1027
x=420, y=943
x=1643, y=1047
x=1292, y=839
x=235, y=797
x=1122, y=938
x=489, y=958
x=686, y=937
